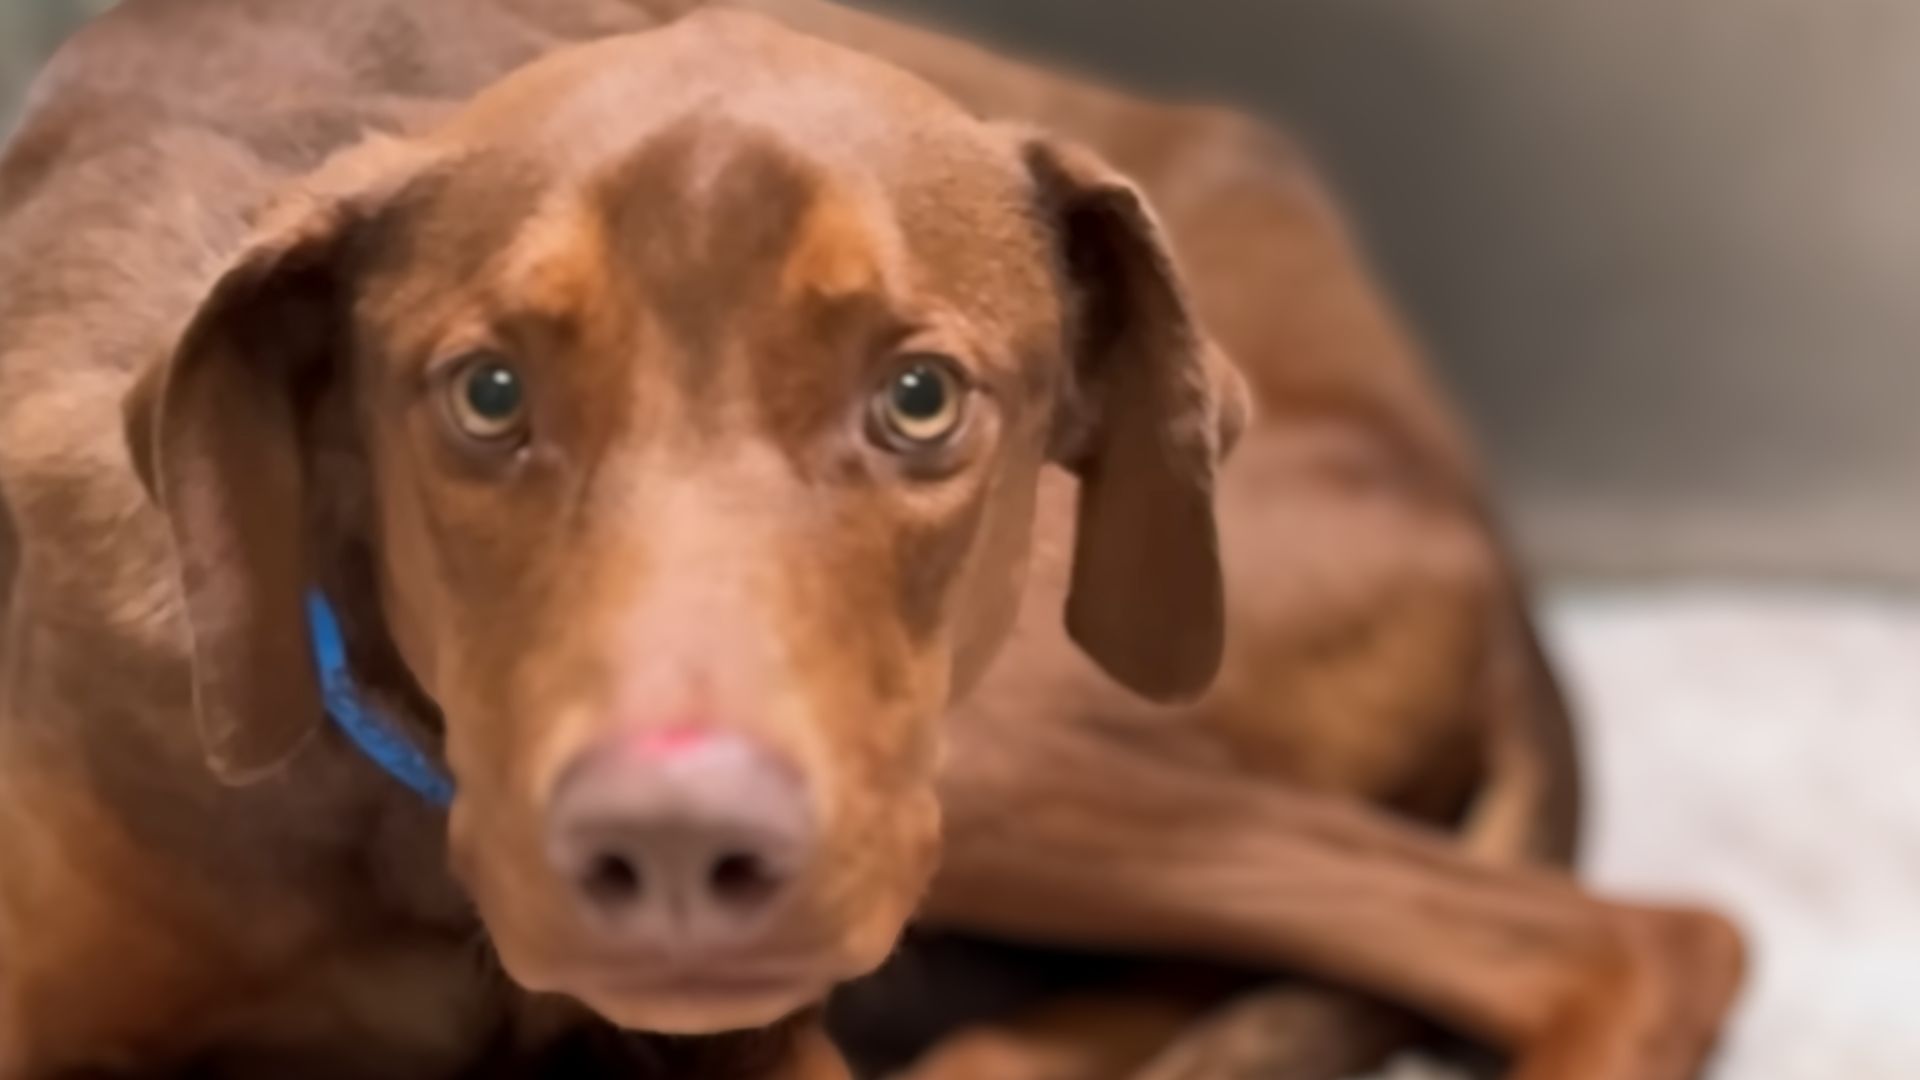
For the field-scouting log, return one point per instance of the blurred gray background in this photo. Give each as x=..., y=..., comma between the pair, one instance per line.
x=1667, y=255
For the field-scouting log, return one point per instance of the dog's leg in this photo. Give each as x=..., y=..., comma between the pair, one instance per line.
x=1287, y=1033
x=1282, y=1033
x=1095, y=1036
x=1109, y=846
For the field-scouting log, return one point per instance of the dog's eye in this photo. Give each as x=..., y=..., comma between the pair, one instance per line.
x=922, y=403
x=487, y=398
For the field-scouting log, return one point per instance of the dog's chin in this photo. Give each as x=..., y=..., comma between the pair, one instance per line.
x=700, y=1007
x=673, y=997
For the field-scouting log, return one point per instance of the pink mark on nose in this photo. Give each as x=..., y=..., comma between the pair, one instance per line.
x=669, y=741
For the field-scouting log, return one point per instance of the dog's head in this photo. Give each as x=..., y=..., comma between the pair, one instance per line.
x=669, y=426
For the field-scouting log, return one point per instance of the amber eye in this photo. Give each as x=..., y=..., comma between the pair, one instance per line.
x=487, y=400
x=922, y=403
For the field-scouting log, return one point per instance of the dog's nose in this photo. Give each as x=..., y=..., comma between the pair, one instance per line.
x=682, y=842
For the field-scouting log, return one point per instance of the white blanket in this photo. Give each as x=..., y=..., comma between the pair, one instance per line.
x=1759, y=749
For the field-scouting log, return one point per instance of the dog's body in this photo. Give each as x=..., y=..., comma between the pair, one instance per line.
x=1377, y=650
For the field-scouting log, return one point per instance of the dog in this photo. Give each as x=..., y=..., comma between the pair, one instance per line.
x=686, y=435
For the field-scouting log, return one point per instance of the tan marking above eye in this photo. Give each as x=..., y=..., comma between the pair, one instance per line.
x=834, y=252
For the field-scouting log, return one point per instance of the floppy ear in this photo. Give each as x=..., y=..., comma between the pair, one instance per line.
x=1152, y=410
x=218, y=435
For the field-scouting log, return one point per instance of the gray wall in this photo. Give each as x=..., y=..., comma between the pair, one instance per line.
x=28, y=30
x=1667, y=253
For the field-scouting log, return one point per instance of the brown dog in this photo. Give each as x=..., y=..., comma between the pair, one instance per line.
x=667, y=427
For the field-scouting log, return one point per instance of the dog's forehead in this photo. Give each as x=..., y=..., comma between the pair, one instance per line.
x=581, y=107
x=734, y=128
x=736, y=201
x=716, y=206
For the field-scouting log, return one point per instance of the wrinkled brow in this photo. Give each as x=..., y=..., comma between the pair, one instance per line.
x=703, y=218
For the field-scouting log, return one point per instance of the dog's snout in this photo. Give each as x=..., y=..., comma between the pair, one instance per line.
x=680, y=843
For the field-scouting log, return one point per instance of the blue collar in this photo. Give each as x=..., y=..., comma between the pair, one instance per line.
x=376, y=736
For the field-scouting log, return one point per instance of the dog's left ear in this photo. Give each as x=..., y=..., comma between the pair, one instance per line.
x=1152, y=409
x=219, y=435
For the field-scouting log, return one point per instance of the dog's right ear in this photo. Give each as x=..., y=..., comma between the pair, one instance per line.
x=1154, y=409
x=218, y=435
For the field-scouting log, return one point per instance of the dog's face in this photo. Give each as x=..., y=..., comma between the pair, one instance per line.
x=672, y=422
